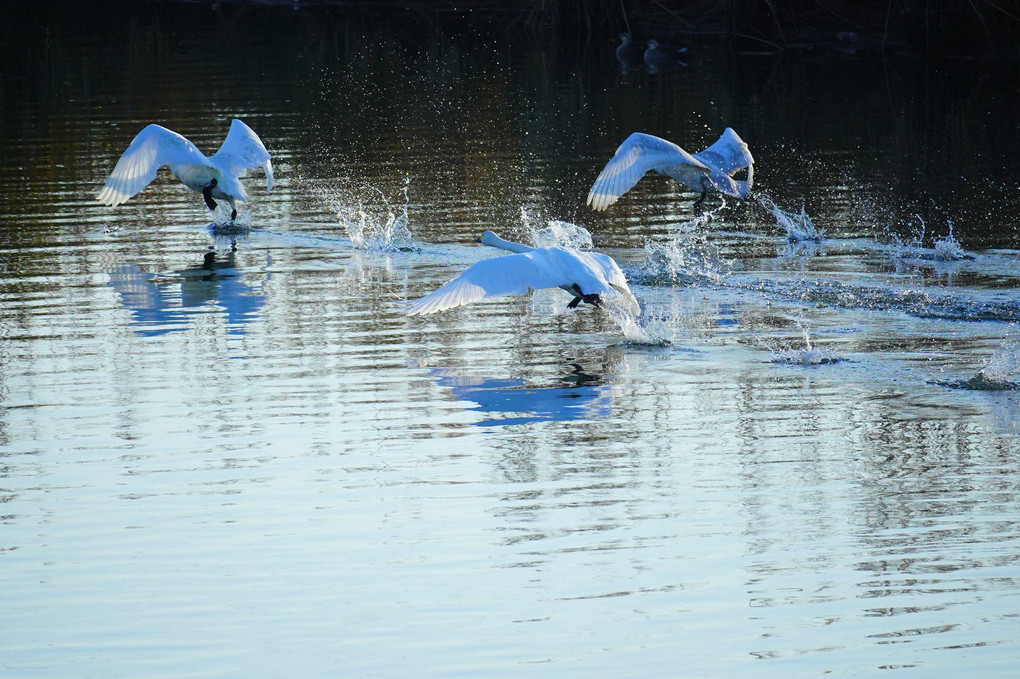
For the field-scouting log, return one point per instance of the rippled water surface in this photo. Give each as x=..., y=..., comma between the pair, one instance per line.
x=801, y=459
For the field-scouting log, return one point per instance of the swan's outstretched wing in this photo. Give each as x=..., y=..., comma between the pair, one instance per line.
x=153, y=147
x=506, y=275
x=638, y=154
x=243, y=150
x=727, y=156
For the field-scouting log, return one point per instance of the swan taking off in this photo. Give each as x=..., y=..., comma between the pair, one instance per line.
x=585, y=275
x=214, y=177
x=709, y=170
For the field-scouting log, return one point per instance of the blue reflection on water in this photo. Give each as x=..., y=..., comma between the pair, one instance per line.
x=164, y=303
x=581, y=399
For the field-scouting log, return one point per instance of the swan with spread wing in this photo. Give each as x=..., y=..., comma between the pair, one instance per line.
x=585, y=275
x=215, y=177
x=709, y=170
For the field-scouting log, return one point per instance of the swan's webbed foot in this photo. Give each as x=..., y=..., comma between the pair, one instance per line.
x=233, y=214
x=207, y=194
x=594, y=300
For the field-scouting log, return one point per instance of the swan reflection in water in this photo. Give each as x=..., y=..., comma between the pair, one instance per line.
x=580, y=396
x=167, y=302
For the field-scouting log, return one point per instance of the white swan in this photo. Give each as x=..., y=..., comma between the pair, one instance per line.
x=711, y=169
x=585, y=275
x=215, y=177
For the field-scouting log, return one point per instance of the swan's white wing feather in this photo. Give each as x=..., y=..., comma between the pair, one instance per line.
x=153, y=147
x=638, y=154
x=494, y=277
x=728, y=154
x=242, y=150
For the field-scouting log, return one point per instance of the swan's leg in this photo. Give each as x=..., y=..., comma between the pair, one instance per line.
x=700, y=200
x=233, y=209
x=207, y=194
x=578, y=296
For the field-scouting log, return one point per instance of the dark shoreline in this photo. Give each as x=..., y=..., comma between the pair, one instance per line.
x=961, y=28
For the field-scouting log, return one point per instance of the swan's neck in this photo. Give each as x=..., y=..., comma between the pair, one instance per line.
x=492, y=240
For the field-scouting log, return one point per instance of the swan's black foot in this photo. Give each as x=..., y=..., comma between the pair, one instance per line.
x=207, y=194
x=594, y=300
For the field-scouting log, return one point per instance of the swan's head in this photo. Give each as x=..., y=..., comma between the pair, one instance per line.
x=488, y=238
x=625, y=37
x=652, y=44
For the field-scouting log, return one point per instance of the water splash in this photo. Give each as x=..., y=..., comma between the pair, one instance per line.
x=1003, y=365
x=1005, y=362
x=799, y=227
x=548, y=233
x=809, y=355
x=222, y=222
x=651, y=331
x=565, y=234
x=946, y=249
x=686, y=257
x=379, y=227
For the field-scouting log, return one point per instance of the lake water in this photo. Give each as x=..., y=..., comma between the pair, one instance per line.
x=784, y=467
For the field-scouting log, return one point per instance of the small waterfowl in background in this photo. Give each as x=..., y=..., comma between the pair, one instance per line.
x=585, y=275
x=628, y=52
x=215, y=177
x=658, y=54
x=709, y=170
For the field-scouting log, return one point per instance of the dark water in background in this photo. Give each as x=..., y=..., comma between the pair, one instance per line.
x=476, y=115
x=273, y=472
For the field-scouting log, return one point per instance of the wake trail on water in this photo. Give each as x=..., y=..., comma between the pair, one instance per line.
x=688, y=257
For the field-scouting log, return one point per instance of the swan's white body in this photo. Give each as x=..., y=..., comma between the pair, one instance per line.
x=582, y=274
x=156, y=146
x=709, y=170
